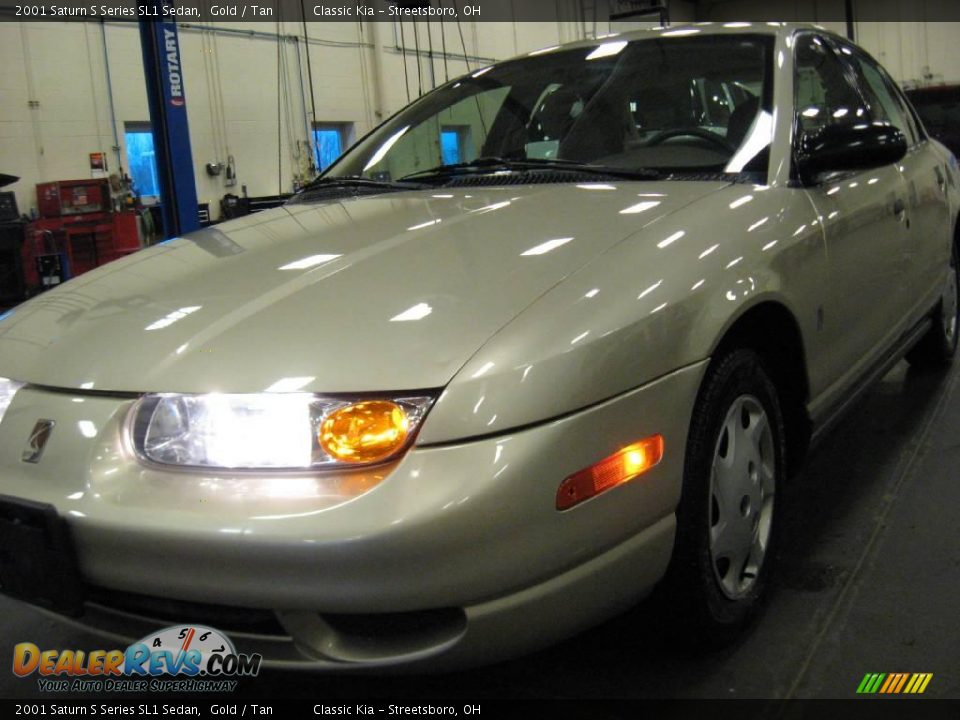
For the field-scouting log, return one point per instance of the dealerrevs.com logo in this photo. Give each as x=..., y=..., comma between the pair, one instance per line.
x=180, y=658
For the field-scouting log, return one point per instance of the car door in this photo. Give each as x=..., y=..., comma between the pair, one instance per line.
x=925, y=173
x=863, y=303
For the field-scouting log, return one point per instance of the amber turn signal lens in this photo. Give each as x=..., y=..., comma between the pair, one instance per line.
x=613, y=470
x=364, y=432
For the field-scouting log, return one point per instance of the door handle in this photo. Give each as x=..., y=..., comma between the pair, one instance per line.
x=941, y=180
x=899, y=207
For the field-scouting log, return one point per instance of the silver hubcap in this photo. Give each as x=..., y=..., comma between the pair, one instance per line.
x=742, y=485
x=949, y=313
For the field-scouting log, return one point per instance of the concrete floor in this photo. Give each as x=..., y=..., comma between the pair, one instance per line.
x=868, y=582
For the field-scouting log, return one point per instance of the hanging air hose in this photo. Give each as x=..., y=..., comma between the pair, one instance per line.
x=210, y=47
x=433, y=72
x=113, y=111
x=307, y=162
x=416, y=46
x=443, y=43
x=221, y=107
x=293, y=139
x=206, y=40
x=313, y=102
x=365, y=82
x=230, y=177
x=466, y=59
x=403, y=54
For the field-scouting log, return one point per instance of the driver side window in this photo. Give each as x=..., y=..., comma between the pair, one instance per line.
x=823, y=95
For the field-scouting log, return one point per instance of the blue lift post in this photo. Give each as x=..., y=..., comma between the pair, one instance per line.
x=168, y=119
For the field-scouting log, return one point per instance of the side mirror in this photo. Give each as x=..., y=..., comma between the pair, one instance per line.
x=837, y=148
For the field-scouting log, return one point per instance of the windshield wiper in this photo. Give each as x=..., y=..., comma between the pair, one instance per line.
x=358, y=181
x=499, y=164
x=488, y=163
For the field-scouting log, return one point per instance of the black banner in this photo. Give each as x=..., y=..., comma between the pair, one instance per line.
x=280, y=10
x=473, y=11
x=554, y=709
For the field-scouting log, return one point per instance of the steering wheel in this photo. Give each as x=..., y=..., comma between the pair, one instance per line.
x=696, y=132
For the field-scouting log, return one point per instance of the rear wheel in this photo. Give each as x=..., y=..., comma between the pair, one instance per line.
x=939, y=345
x=731, y=499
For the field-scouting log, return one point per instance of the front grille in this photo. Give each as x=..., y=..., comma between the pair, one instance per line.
x=304, y=638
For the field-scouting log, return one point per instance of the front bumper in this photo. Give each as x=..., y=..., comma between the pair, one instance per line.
x=464, y=535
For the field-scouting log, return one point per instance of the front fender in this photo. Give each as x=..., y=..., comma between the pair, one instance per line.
x=654, y=303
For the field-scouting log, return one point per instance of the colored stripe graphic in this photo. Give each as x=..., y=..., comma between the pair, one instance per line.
x=891, y=681
x=894, y=683
x=865, y=683
x=901, y=682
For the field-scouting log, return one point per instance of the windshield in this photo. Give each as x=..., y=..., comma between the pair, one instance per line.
x=668, y=104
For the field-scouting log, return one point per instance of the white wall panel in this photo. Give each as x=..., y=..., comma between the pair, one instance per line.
x=64, y=62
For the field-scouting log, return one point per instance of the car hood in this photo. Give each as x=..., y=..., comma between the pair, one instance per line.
x=389, y=292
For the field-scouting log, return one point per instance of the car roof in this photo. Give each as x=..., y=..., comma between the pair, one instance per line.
x=700, y=29
x=944, y=89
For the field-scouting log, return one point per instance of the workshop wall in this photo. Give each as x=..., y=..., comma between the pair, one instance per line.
x=55, y=103
x=55, y=106
x=914, y=50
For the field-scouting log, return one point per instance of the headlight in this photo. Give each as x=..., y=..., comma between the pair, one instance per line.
x=8, y=388
x=279, y=431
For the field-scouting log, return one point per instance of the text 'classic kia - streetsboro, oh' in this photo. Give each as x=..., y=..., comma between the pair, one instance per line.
x=554, y=334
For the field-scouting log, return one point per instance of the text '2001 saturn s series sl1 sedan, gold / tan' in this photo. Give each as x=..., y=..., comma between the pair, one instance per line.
x=552, y=335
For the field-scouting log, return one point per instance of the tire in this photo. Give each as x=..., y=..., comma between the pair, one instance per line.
x=939, y=345
x=734, y=474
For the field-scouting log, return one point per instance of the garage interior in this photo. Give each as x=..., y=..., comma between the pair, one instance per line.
x=271, y=104
x=868, y=578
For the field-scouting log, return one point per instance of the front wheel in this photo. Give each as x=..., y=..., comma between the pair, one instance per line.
x=939, y=345
x=727, y=520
